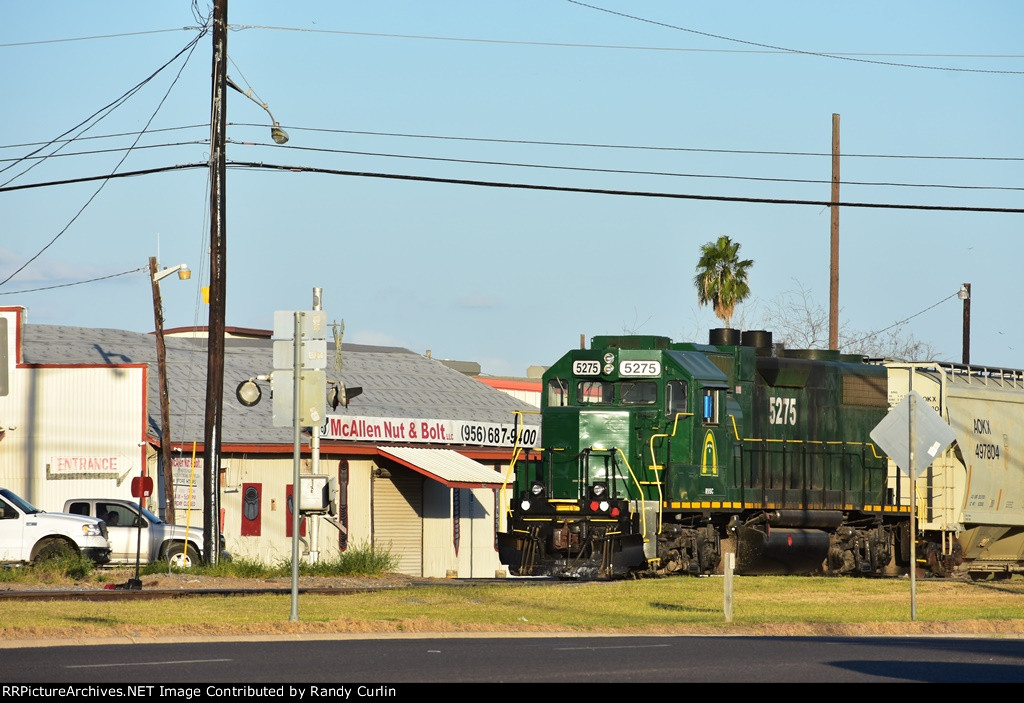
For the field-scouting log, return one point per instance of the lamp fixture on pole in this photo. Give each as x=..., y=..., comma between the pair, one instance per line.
x=965, y=295
x=276, y=133
x=183, y=271
x=157, y=275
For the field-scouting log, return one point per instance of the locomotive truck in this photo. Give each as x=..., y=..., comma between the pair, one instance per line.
x=662, y=457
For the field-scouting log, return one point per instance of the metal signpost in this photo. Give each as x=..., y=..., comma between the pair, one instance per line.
x=302, y=336
x=142, y=487
x=912, y=430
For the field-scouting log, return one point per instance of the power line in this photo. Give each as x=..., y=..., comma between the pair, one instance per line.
x=86, y=137
x=598, y=145
x=533, y=142
x=511, y=185
x=605, y=191
x=134, y=147
x=640, y=173
x=571, y=45
x=100, y=114
x=97, y=36
x=901, y=322
x=76, y=283
x=624, y=47
x=791, y=51
x=596, y=191
x=105, y=176
x=189, y=48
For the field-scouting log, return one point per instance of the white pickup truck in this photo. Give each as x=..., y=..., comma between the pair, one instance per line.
x=28, y=534
x=127, y=530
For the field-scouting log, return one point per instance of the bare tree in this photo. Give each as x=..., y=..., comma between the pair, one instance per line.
x=798, y=322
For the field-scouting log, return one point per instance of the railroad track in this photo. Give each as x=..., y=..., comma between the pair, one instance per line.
x=117, y=594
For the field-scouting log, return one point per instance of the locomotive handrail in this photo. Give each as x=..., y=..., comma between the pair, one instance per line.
x=504, y=503
x=675, y=422
x=874, y=451
x=656, y=467
x=516, y=451
x=640, y=490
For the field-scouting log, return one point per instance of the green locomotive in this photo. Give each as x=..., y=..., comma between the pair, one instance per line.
x=661, y=457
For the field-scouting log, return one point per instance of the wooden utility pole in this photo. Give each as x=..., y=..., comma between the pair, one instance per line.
x=165, y=403
x=967, y=323
x=833, y=307
x=218, y=264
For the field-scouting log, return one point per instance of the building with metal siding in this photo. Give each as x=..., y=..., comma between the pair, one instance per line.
x=67, y=428
x=527, y=391
x=95, y=392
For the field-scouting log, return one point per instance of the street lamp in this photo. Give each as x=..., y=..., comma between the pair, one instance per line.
x=183, y=271
x=276, y=133
x=161, y=359
x=965, y=295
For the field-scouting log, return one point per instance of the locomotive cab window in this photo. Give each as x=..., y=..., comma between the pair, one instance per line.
x=593, y=392
x=675, y=398
x=709, y=406
x=638, y=392
x=558, y=392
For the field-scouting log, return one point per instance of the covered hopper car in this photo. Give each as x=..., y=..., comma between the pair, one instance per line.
x=970, y=499
x=662, y=457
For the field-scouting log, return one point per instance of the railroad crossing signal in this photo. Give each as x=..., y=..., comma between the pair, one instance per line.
x=311, y=347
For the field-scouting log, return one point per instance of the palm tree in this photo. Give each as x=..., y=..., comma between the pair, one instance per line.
x=721, y=277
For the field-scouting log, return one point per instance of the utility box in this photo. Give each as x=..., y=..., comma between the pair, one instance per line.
x=316, y=494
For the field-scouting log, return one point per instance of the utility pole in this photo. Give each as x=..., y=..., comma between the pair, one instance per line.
x=218, y=263
x=165, y=404
x=833, y=307
x=965, y=295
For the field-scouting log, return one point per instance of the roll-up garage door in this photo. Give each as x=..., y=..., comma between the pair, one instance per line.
x=398, y=518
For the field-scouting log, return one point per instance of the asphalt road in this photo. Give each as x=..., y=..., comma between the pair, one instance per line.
x=314, y=664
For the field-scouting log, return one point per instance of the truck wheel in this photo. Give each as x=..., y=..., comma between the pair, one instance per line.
x=53, y=549
x=181, y=557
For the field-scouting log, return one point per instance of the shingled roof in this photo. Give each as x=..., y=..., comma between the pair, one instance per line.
x=396, y=382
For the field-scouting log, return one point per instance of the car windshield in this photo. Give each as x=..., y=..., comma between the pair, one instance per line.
x=22, y=504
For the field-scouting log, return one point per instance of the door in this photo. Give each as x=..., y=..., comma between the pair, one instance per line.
x=12, y=524
x=123, y=533
x=398, y=517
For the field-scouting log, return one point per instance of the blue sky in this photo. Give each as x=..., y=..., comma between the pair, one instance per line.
x=541, y=93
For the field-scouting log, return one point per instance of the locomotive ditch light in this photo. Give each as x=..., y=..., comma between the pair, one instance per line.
x=525, y=505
